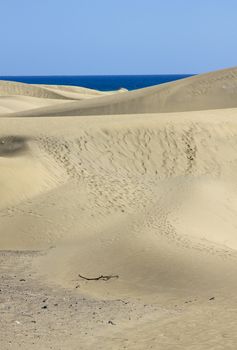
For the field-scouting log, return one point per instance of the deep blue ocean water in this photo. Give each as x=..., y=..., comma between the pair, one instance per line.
x=100, y=82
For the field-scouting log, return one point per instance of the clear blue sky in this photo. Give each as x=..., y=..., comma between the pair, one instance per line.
x=48, y=37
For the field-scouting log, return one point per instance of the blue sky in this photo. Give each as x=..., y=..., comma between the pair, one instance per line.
x=48, y=37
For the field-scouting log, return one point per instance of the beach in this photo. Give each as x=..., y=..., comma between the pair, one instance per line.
x=118, y=216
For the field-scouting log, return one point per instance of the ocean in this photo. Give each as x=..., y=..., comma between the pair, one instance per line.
x=100, y=82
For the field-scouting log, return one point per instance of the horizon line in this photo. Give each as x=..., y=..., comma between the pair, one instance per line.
x=93, y=75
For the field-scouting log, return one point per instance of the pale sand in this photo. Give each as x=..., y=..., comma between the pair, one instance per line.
x=148, y=198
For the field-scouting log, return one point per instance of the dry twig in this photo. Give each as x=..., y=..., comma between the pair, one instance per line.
x=102, y=277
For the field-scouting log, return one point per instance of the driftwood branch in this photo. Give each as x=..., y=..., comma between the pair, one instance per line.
x=102, y=277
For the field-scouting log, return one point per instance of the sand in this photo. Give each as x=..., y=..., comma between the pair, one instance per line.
x=118, y=216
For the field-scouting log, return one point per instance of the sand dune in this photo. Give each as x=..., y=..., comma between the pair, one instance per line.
x=10, y=88
x=19, y=97
x=55, y=92
x=115, y=187
x=207, y=91
x=10, y=104
x=148, y=199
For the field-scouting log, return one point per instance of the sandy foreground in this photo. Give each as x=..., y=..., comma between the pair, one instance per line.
x=118, y=216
